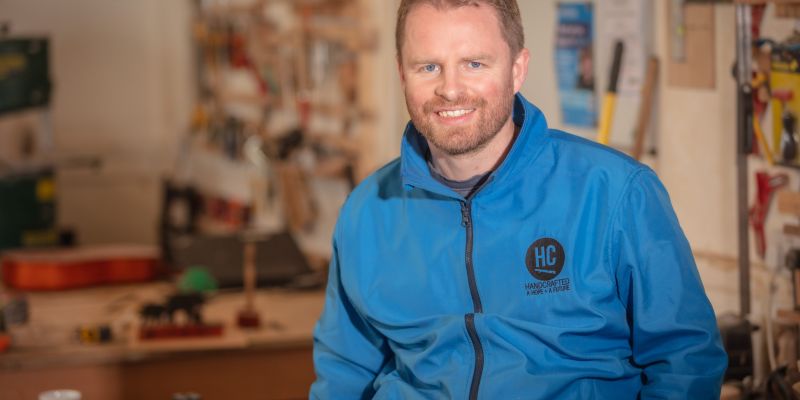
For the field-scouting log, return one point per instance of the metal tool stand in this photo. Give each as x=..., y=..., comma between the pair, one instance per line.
x=743, y=132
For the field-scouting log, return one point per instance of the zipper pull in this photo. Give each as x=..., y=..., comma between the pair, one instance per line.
x=465, y=217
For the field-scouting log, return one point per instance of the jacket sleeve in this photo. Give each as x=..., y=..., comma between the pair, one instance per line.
x=674, y=335
x=348, y=352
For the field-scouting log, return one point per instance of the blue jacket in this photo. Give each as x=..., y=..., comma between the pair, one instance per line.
x=566, y=276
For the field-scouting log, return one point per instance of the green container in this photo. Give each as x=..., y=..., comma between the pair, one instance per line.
x=24, y=74
x=27, y=210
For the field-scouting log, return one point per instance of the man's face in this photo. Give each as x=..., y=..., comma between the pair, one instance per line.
x=458, y=76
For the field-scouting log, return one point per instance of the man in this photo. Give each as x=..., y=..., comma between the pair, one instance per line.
x=499, y=259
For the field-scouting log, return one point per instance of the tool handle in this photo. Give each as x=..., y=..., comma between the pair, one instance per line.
x=645, y=108
x=762, y=142
x=616, y=66
x=604, y=133
x=610, y=99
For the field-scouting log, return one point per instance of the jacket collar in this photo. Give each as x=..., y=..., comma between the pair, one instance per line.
x=414, y=168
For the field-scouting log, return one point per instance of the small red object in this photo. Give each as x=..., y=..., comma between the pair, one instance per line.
x=248, y=319
x=5, y=341
x=766, y=186
x=783, y=95
x=180, y=331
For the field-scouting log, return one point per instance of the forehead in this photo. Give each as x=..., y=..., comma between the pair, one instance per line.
x=436, y=33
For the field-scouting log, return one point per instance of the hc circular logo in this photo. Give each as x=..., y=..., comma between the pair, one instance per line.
x=545, y=259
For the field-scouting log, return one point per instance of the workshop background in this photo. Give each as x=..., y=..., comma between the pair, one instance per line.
x=188, y=159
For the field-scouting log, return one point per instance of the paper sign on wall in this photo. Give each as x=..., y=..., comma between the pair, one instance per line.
x=575, y=64
x=625, y=20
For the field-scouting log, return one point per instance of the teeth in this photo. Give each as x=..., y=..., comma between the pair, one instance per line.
x=454, y=113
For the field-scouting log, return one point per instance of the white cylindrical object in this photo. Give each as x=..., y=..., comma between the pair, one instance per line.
x=60, y=395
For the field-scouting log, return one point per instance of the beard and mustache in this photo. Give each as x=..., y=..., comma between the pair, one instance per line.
x=462, y=140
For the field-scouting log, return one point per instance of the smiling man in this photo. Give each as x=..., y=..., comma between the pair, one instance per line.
x=500, y=259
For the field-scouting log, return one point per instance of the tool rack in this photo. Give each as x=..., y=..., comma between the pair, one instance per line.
x=744, y=130
x=295, y=76
x=326, y=41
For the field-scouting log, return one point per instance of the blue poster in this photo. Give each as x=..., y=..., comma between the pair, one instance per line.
x=575, y=64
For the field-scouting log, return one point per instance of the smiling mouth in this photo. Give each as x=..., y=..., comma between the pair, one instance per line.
x=454, y=113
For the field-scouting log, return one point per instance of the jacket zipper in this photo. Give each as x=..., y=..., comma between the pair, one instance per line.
x=469, y=319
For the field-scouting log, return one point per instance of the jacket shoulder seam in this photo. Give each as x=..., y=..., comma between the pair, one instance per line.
x=626, y=188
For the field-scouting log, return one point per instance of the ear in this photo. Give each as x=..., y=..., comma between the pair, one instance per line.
x=519, y=69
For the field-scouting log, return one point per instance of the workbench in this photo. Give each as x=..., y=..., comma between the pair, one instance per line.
x=273, y=362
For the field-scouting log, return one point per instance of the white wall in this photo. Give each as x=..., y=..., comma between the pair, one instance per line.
x=391, y=107
x=697, y=160
x=122, y=73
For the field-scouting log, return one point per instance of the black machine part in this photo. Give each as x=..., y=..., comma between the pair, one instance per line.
x=778, y=385
x=279, y=260
x=738, y=342
x=793, y=259
x=190, y=303
x=788, y=139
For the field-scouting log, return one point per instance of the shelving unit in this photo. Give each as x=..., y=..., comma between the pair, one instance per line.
x=745, y=132
x=306, y=59
x=27, y=162
x=283, y=92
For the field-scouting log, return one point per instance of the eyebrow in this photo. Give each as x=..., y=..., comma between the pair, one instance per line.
x=478, y=57
x=422, y=61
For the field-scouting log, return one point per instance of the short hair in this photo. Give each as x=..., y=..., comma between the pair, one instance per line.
x=508, y=16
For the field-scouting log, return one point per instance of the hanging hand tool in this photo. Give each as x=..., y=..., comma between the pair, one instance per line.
x=610, y=99
x=788, y=145
x=760, y=97
x=788, y=139
x=766, y=186
x=762, y=141
x=645, y=108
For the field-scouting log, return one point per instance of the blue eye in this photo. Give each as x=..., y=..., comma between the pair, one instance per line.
x=429, y=68
x=475, y=64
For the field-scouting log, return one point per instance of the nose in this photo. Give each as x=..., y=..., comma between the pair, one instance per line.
x=450, y=85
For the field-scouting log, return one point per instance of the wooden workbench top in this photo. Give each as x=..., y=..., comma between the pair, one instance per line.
x=766, y=1
x=49, y=339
